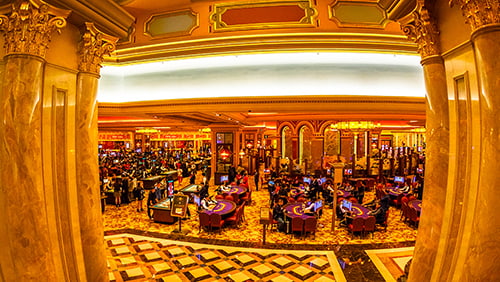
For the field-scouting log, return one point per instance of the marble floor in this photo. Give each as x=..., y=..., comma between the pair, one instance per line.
x=140, y=258
x=142, y=250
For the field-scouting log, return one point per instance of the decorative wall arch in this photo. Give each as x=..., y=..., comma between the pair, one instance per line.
x=331, y=140
x=326, y=124
x=306, y=134
x=286, y=141
x=312, y=125
x=283, y=124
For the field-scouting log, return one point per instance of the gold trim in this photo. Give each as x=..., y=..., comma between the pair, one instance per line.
x=92, y=48
x=384, y=271
x=309, y=19
x=458, y=48
x=189, y=12
x=422, y=27
x=129, y=38
x=268, y=43
x=29, y=27
x=332, y=17
x=479, y=13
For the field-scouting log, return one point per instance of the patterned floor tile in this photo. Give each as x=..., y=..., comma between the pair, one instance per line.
x=190, y=262
x=391, y=262
x=240, y=277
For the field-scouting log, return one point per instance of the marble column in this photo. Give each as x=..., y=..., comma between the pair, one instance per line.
x=421, y=27
x=26, y=251
x=92, y=49
x=478, y=259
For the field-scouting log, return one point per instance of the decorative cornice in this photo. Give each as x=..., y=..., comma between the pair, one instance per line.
x=29, y=27
x=107, y=15
x=479, y=13
x=422, y=28
x=93, y=47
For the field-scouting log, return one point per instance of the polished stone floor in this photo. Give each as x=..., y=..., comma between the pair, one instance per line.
x=139, y=258
x=142, y=250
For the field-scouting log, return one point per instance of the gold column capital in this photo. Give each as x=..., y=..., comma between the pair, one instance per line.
x=29, y=27
x=421, y=27
x=94, y=45
x=479, y=13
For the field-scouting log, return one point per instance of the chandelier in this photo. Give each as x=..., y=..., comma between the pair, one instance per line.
x=356, y=126
x=224, y=153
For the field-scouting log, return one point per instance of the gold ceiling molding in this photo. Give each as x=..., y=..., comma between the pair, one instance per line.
x=282, y=104
x=262, y=15
x=29, y=26
x=171, y=24
x=358, y=14
x=107, y=15
x=264, y=43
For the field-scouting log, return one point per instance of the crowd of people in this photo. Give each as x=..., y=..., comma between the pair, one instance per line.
x=309, y=189
x=121, y=172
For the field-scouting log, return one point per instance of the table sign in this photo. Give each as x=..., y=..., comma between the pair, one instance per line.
x=179, y=206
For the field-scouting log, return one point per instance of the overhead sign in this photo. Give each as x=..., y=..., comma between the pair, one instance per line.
x=179, y=136
x=113, y=136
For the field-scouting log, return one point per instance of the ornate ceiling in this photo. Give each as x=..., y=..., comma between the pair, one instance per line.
x=180, y=29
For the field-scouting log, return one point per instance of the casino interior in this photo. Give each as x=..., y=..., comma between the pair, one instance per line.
x=371, y=93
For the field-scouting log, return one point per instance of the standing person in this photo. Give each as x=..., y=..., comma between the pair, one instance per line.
x=231, y=174
x=157, y=192
x=117, y=191
x=244, y=179
x=132, y=185
x=204, y=181
x=279, y=215
x=151, y=201
x=361, y=192
x=256, y=178
x=125, y=192
x=192, y=179
x=179, y=175
x=139, y=195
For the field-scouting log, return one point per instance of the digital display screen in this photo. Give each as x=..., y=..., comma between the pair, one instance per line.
x=399, y=179
x=224, y=178
x=196, y=200
x=348, y=171
x=346, y=204
x=318, y=204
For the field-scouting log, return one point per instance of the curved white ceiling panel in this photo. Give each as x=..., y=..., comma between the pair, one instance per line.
x=283, y=74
